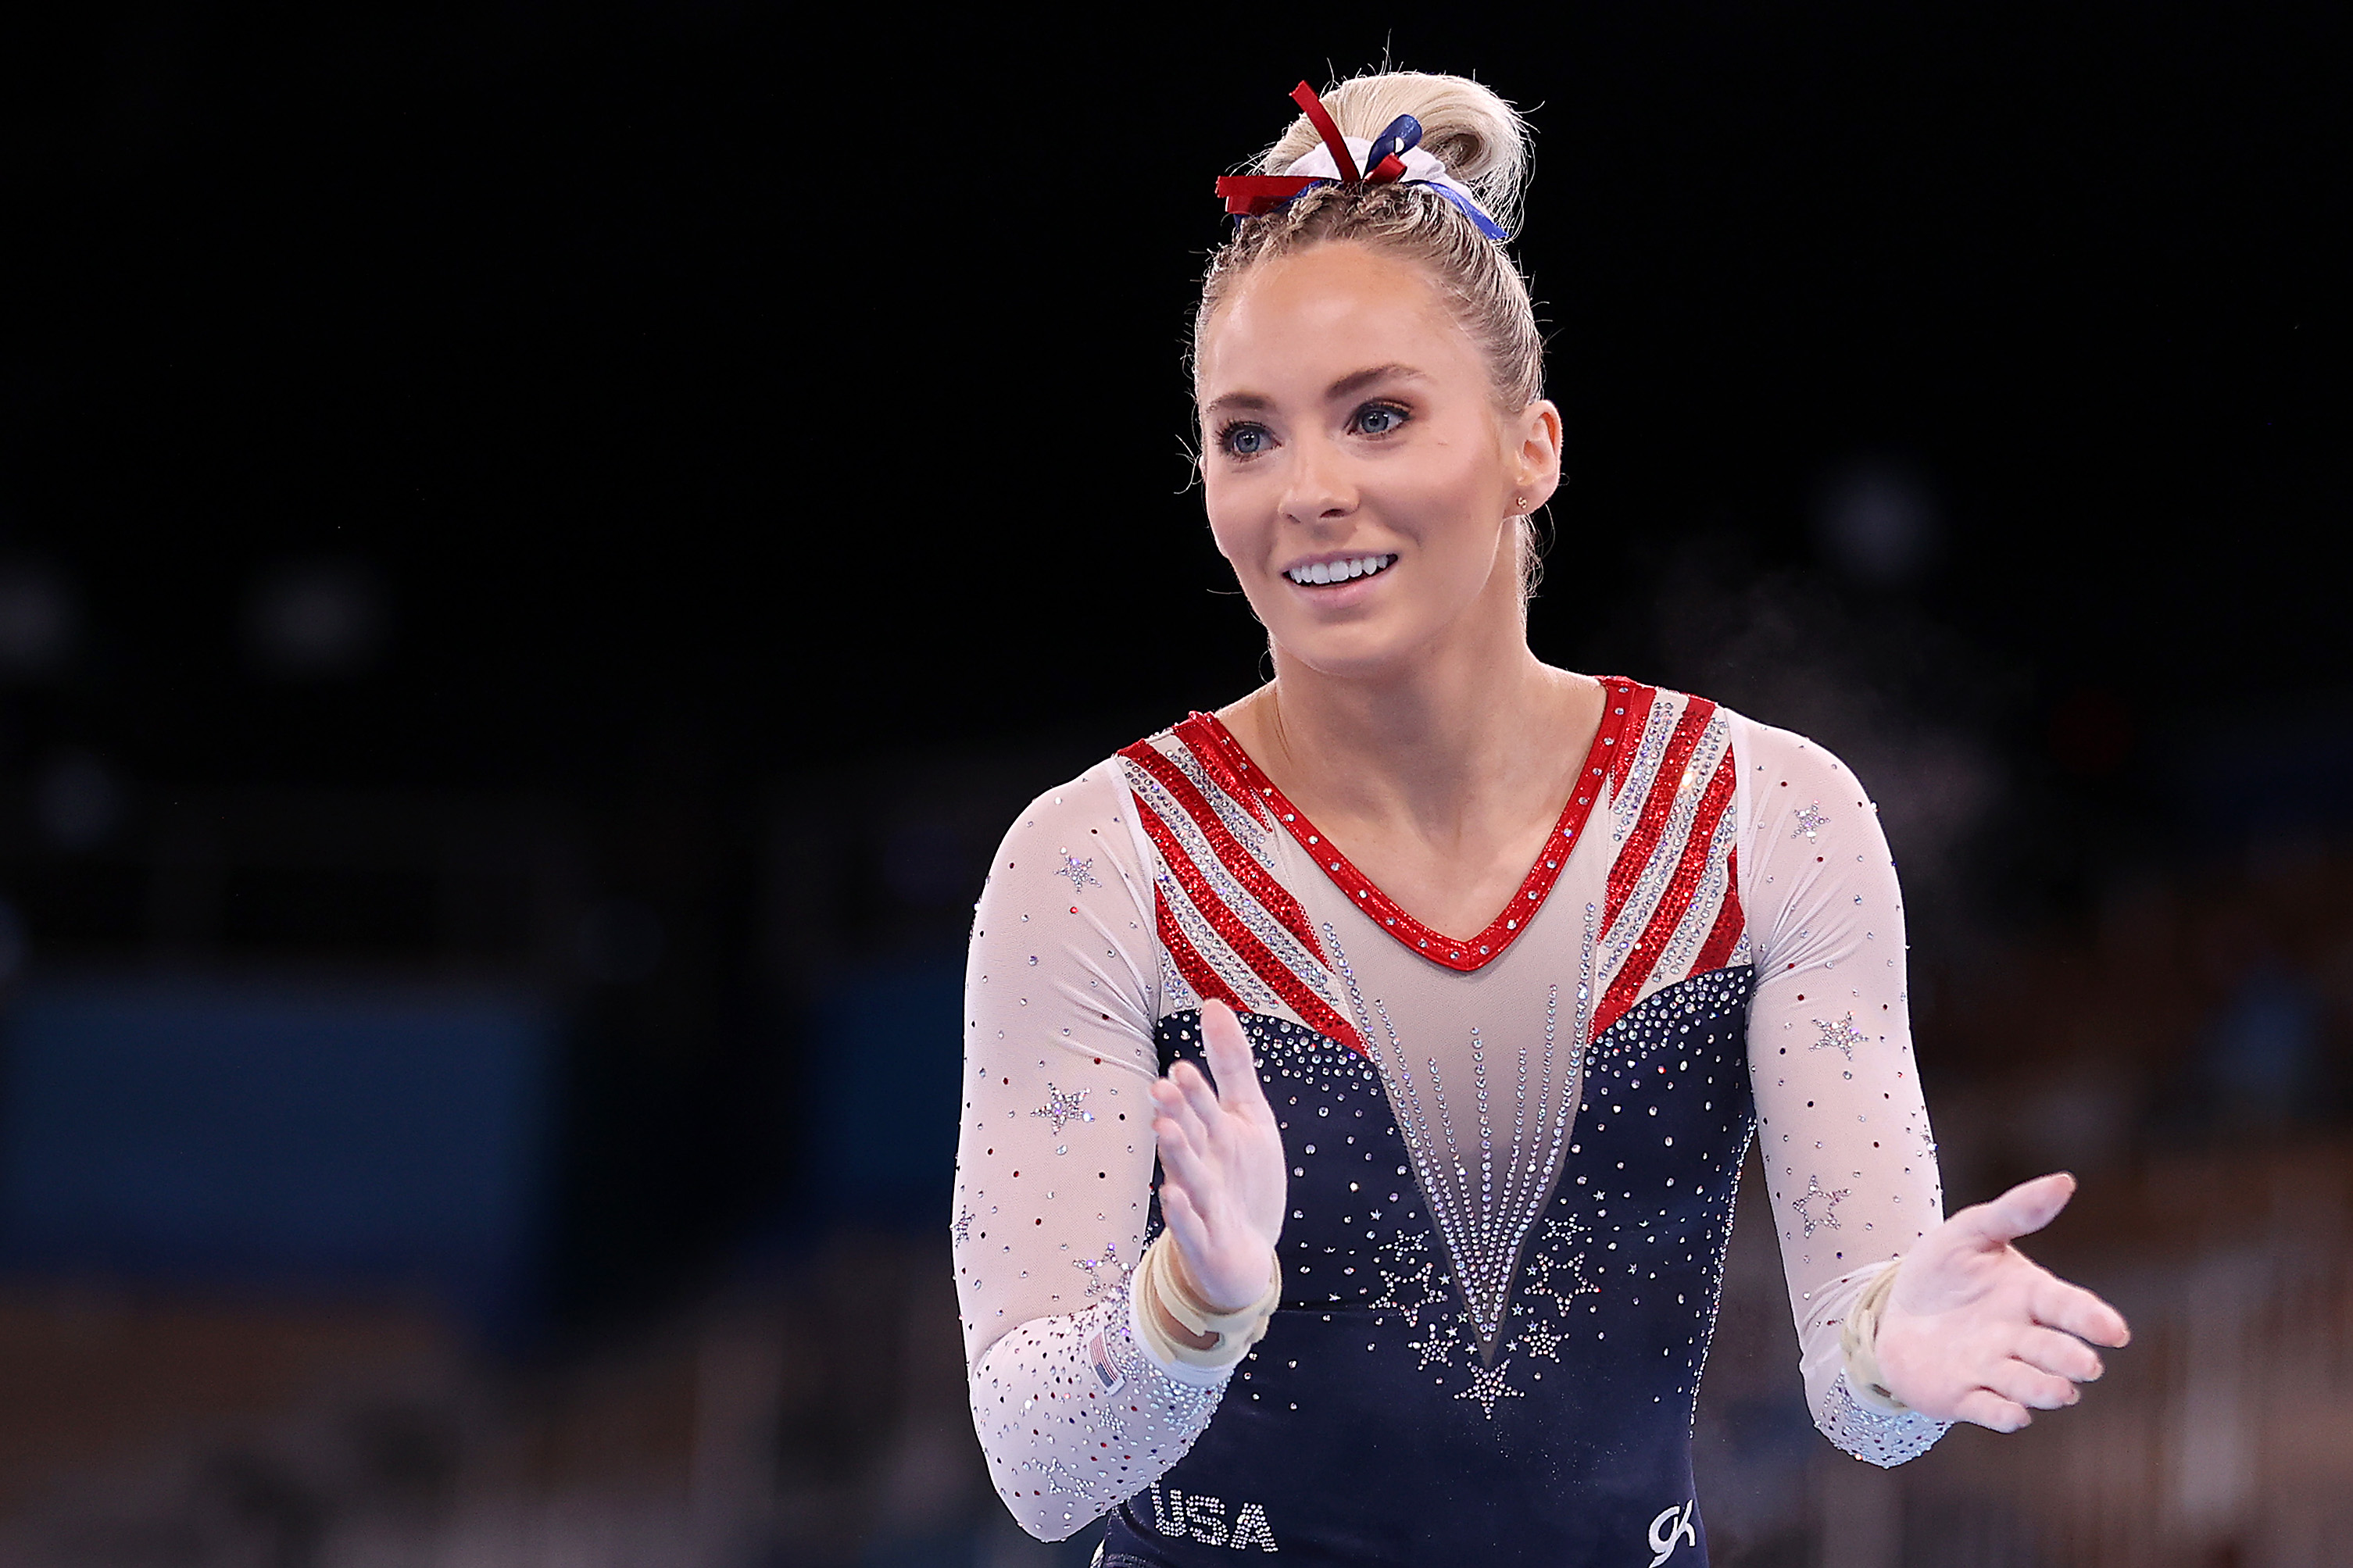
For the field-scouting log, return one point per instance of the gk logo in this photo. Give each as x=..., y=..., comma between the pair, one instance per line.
x=1672, y=1528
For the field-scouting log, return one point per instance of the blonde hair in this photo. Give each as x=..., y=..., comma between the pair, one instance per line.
x=1483, y=143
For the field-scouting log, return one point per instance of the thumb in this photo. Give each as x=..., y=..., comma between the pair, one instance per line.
x=2022, y=1211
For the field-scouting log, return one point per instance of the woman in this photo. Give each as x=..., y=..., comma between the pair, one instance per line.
x=1445, y=1215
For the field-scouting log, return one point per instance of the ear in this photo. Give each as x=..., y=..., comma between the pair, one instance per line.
x=1536, y=431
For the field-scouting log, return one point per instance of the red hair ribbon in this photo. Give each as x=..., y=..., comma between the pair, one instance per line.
x=1327, y=128
x=1255, y=195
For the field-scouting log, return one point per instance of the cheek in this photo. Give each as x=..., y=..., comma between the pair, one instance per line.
x=1232, y=525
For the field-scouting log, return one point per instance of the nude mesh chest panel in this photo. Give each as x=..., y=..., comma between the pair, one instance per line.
x=1480, y=1057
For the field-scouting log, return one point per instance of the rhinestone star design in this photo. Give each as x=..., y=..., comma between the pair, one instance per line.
x=1544, y=1282
x=1540, y=1340
x=1826, y=1220
x=1841, y=1036
x=962, y=1226
x=1433, y=1346
x=1102, y=1273
x=1081, y=874
x=1057, y=1475
x=1061, y=1107
x=1810, y=823
x=1487, y=1386
x=1410, y=1310
x=1565, y=1232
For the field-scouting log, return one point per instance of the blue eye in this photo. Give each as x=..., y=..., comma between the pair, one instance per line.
x=1244, y=440
x=1378, y=419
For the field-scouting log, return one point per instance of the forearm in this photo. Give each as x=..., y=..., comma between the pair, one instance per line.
x=1076, y=1414
x=1849, y=1161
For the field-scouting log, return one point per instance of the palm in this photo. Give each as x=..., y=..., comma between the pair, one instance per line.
x=1222, y=1182
x=1975, y=1331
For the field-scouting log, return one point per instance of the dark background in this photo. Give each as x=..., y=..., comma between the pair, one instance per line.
x=594, y=517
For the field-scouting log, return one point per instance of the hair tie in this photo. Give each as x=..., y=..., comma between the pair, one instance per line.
x=1395, y=156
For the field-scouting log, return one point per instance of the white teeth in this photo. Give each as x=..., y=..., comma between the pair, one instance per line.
x=1340, y=570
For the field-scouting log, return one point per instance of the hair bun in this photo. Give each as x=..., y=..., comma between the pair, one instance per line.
x=1481, y=138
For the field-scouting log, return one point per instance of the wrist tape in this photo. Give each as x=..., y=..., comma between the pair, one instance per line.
x=1159, y=1280
x=1859, y=1342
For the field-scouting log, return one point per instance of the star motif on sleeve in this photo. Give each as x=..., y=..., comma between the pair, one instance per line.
x=1061, y=1107
x=1057, y=1476
x=1826, y=1220
x=1487, y=1386
x=1540, y=1340
x=1809, y=822
x=1102, y=1273
x=962, y=1226
x=1841, y=1036
x=1081, y=874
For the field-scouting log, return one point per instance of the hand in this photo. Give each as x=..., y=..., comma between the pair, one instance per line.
x=1973, y=1331
x=1222, y=1182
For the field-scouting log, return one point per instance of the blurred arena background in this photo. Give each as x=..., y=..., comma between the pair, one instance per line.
x=540, y=547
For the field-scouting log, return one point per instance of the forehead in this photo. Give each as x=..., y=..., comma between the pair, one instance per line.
x=1296, y=323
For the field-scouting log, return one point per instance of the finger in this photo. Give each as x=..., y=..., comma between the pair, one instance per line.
x=1186, y=1099
x=2022, y=1211
x=1991, y=1410
x=1178, y=1154
x=1230, y=1058
x=1185, y=1223
x=2062, y=1355
x=1173, y=1119
x=2030, y=1386
x=1199, y=1097
x=2081, y=1313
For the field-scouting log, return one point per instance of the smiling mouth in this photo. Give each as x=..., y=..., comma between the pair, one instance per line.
x=1324, y=571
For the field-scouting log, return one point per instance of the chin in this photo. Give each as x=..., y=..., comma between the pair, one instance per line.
x=1367, y=653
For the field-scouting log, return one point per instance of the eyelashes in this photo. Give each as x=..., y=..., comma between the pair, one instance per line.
x=1242, y=439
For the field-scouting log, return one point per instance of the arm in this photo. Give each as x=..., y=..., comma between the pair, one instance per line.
x=1907, y=1320
x=1075, y=1409
x=1842, y=1129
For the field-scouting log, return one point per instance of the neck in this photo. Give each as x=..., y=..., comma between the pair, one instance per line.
x=1421, y=743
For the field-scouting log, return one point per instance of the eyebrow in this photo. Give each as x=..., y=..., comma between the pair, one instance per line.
x=1356, y=380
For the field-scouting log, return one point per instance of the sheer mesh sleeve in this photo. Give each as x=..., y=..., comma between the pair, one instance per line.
x=1842, y=1128
x=1054, y=1168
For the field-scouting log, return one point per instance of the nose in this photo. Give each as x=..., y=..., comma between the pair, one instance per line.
x=1320, y=487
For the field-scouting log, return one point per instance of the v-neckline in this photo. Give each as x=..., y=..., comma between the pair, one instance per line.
x=1464, y=954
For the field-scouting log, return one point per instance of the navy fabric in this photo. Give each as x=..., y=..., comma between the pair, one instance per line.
x=1366, y=1428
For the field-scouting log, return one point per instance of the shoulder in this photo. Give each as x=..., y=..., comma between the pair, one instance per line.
x=1752, y=772
x=1784, y=771
x=1064, y=820
x=1656, y=716
x=1118, y=806
x=1196, y=750
x=1074, y=849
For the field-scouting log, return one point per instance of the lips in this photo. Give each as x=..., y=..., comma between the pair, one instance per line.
x=1316, y=573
